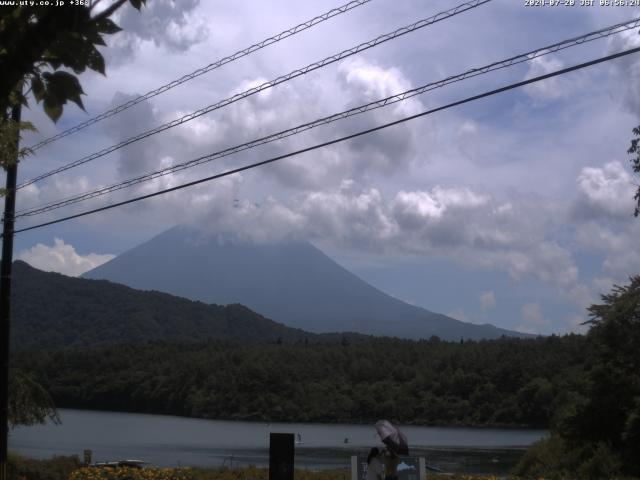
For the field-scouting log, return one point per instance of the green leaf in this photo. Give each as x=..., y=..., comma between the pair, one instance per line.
x=16, y=98
x=63, y=86
x=54, y=62
x=28, y=127
x=137, y=3
x=29, y=402
x=106, y=25
x=37, y=87
x=9, y=133
x=95, y=61
x=94, y=37
x=52, y=108
x=24, y=102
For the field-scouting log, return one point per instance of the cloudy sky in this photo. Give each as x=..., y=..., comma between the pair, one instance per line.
x=515, y=210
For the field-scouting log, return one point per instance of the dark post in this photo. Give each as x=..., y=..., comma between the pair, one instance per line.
x=87, y=456
x=5, y=299
x=281, y=452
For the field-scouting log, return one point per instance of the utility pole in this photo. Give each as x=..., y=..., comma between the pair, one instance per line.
x=5, y=294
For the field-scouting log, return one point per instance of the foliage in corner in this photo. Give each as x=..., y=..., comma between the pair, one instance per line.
x=597, y=434
x=9, y=132
x=635, y=162
x=36, y=43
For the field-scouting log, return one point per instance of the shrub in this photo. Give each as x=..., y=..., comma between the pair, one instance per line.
x=130, y=473
x=56, y=468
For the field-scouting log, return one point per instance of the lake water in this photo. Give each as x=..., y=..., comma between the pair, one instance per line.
x=171, y=441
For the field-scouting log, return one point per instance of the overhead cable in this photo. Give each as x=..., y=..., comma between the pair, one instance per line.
x=338, y=140
x=252, y=91
x=201, y=71
x=602, y=33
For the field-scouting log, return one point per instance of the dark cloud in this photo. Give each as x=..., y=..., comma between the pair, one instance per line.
x=139, y=157
x=626, y=69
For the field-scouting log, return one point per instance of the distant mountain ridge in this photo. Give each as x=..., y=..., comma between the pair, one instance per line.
x=293, y=283
x=51, y=311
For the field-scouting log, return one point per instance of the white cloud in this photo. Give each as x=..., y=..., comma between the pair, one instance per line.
x=168, y=24
x=54, y=189
x=458, y=314
x=350, y=217
x=468, y=127
x=354, y=82
x=425, y=205
x=532, y=314
x=467, y=138
x=62, y=258
x=459, y=224
x=605, y=191
x=29, y=196
x=551, y=88
x=603, y=285
x=603, y=225
x=617, y=244
x=574, y=323
x=367, y=81
x=487, y=300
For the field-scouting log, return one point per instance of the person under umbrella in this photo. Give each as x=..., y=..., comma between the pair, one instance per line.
x=396, y=444
x=391, y=462
x=392, y=437
x=375, y=469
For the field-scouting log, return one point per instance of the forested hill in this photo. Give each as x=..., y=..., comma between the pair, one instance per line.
x=51, y=311
x=512, y=382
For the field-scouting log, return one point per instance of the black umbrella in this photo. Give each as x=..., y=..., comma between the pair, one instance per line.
x=392, y=437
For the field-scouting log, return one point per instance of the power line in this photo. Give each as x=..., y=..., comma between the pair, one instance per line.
x=252, y=91
x=602, y=33
x=341, y=139
x=201, y=71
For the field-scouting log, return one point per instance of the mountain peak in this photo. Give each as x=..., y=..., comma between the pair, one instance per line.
x=291, y=282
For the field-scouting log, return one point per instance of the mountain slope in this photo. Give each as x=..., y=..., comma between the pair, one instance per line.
x=293, y=283
x=50, y=311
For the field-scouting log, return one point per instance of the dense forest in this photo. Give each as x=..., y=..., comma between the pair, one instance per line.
x=512, y=382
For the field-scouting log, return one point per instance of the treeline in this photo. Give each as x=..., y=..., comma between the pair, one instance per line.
x=595, y=432
x=506, y=382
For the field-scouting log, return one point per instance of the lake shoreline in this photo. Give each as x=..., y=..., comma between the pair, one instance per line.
x=170, y=441
x=248, y=419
